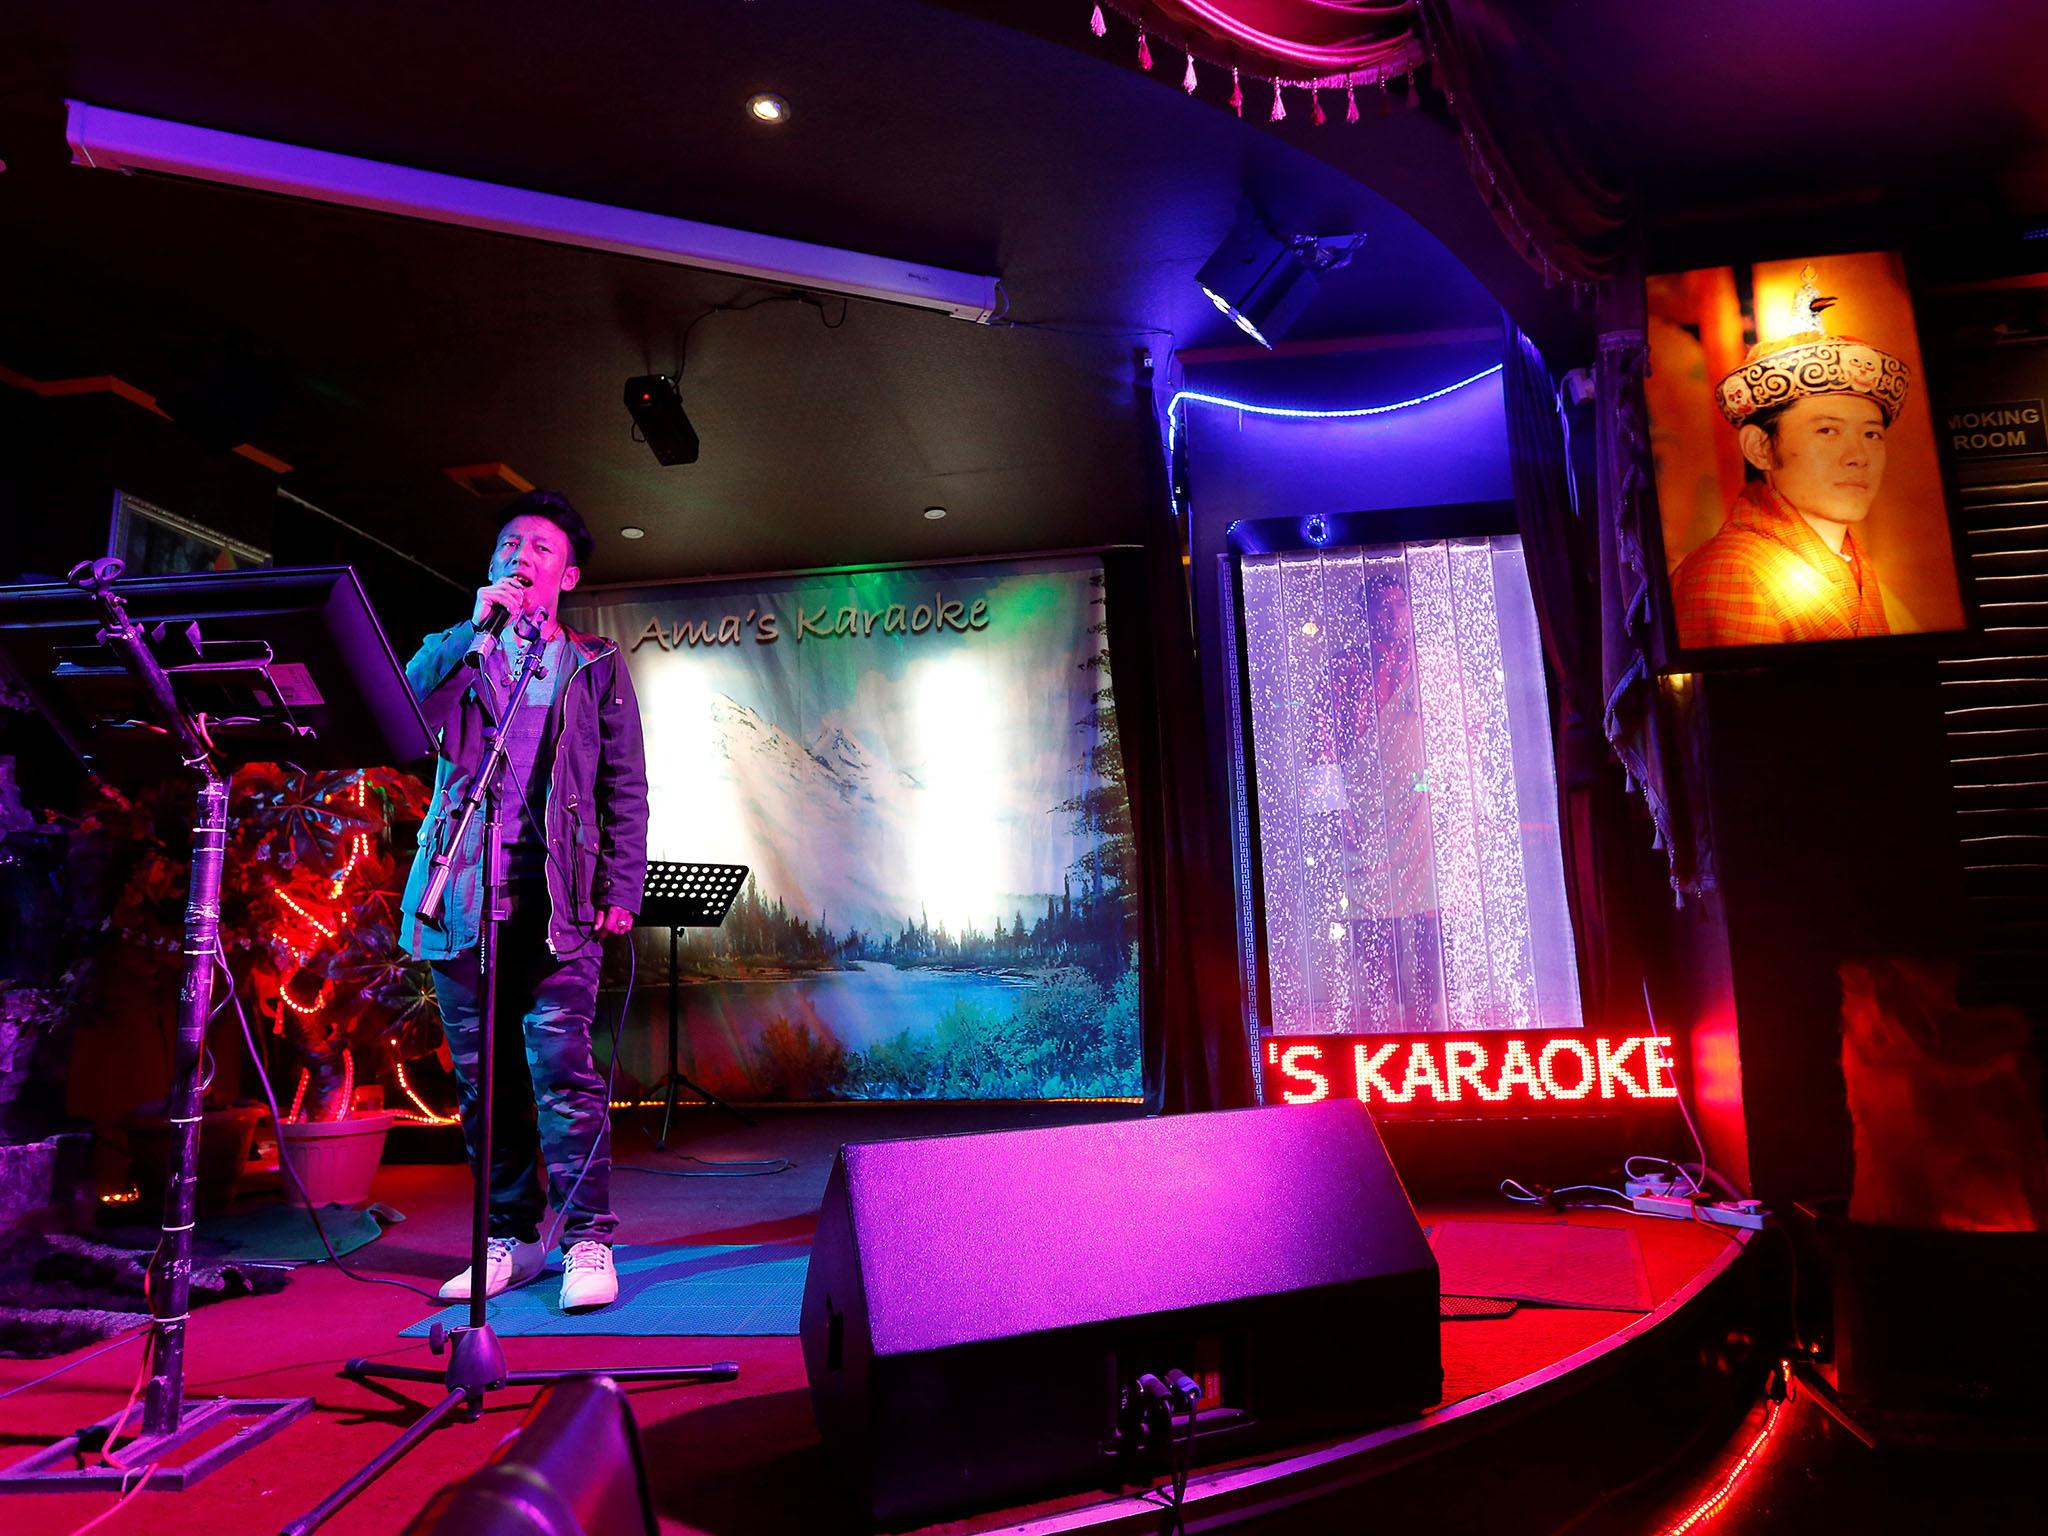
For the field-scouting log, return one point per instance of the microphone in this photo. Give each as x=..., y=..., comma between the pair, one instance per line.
x=487, y=633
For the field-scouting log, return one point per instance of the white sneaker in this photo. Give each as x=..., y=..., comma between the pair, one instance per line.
x=588, y=1279
x=511, y=1263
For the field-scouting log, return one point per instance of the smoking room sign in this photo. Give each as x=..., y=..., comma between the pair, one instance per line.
x=2003, y=429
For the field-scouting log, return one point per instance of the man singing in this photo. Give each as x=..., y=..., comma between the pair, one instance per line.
x=573, y=811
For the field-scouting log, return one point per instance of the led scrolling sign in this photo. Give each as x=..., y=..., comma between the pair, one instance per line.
x=1562, y=1072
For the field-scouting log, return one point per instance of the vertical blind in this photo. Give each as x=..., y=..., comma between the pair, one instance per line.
x=1405, y=791
x=1995, y=703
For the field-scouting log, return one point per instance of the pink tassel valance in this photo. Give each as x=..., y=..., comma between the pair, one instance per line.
x=1333, y=44
x=1557, y=197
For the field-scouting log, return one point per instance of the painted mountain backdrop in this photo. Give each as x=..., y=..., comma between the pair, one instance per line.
x=922, y=773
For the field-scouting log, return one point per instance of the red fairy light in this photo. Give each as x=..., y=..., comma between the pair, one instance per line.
x=303, y=1010
x=1710, y=1506
x=310, y=920
x=426, y=1115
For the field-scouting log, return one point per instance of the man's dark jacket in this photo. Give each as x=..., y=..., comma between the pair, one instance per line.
x=596, y=813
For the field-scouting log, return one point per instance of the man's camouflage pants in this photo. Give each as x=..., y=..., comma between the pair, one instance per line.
x=550, y=1097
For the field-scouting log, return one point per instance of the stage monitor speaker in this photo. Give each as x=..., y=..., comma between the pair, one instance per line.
x=979, y=1308
x=573, y=1468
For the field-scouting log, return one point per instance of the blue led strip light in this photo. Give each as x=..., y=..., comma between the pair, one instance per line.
x=1298, y=413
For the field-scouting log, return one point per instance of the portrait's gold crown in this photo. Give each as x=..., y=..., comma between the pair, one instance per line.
x=1808, y=361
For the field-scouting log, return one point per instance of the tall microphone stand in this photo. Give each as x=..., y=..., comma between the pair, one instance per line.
x=476, y=1360
x=169, y=1427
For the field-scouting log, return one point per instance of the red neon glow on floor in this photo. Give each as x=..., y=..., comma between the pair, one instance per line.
x=1710, y=1506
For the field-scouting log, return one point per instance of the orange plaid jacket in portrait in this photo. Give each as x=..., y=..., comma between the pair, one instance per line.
x=1768, y=578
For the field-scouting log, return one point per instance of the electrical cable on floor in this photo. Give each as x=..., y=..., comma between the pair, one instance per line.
x=130, y=1337
x=119, y=1504
x=1699, y=1146
x=111, y=1443
x=1522, y=1194
x=1696, y=1177
x=782, y=1165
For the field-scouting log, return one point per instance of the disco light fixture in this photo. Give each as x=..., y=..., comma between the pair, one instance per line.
x=1264, y=283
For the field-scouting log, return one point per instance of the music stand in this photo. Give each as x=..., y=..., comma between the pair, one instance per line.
x=678, y=896
x=202, y=673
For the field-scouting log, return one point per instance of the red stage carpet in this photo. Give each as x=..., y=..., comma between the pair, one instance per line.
x=737, y=1459
x=1550, y=1263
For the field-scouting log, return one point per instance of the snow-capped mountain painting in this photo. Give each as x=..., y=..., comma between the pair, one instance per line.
x=824, y=828
x=913, y=772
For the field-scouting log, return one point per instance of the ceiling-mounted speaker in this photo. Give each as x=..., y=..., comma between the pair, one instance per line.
x=656, y=406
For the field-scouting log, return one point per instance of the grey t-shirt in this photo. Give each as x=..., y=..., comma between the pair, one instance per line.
x=529, y=755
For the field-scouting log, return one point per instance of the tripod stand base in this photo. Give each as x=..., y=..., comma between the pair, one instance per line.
x=677, y=1082
x=56, y=1469
x=476, y=1365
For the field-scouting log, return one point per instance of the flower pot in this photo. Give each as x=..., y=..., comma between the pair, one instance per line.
x=223, y=1153
x=335, y=1159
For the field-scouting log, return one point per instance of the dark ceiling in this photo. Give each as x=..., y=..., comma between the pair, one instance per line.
x=1724, y=108
x=991, y=135
x=373, y=352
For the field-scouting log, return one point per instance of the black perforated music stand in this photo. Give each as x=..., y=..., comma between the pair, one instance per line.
x=678, y=896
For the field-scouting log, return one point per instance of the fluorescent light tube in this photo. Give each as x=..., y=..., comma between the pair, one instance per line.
x=124, y=141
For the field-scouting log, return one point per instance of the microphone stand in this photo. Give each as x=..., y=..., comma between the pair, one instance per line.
x=171, y=1427
x=476, y=1360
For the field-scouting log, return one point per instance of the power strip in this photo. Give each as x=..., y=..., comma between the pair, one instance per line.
x=1736, y=1213
x=1677, y=1207
x=1748, y=1214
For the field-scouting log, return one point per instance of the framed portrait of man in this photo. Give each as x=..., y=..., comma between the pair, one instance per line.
x=155, y=542
x=1800, y=489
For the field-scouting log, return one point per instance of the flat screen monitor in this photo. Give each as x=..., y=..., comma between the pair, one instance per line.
x=284, y=665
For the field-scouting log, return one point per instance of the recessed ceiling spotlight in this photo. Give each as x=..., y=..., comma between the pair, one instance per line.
x=630, y=532
x=933, y=514
x=767, y=108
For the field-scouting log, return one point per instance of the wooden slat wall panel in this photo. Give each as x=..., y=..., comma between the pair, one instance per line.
x=1995, y=700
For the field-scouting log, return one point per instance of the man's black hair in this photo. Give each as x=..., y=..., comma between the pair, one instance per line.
x=555, y=507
